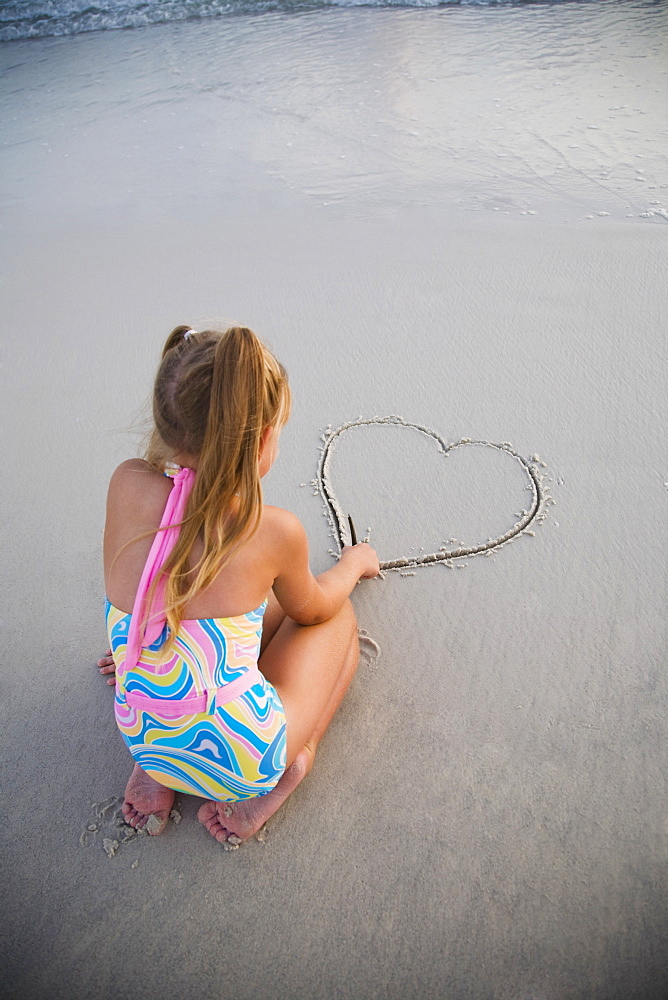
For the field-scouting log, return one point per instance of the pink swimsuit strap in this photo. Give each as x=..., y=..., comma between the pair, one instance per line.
x=174, y=708
x=147, y=623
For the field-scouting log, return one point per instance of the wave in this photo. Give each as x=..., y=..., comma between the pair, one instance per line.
x=43, y=18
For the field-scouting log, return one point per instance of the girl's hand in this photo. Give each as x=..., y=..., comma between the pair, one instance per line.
x=366, y=558
x=107, y=666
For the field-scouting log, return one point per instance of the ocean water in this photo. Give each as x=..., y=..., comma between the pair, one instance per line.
x=28, y=19
x=527, y=109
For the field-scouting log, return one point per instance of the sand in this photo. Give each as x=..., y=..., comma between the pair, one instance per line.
x=401, y=441
x=486, y=817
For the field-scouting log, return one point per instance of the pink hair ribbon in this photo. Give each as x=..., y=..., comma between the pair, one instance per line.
x=147, y=623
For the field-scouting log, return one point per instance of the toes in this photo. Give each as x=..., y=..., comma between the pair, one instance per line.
x=154, y=822
x=220, y=832
x=207, y=812
x=213, y=816
x=223, y=835
x=132, y=816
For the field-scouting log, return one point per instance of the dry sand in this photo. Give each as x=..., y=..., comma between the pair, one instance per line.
x=486, y=818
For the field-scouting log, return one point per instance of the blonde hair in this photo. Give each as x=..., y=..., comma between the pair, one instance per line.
x=214, y=395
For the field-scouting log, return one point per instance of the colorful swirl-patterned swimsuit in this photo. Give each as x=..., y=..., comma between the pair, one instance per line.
x=205, y=721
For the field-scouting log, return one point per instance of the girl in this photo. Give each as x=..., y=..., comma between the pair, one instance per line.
x=230, y=657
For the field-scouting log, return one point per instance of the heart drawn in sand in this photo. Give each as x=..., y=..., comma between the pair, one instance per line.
x=338, y=518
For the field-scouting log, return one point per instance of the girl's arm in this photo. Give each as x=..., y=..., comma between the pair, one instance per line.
x=308, y=599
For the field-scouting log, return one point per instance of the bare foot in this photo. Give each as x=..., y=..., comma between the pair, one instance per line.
x=147, y=802
x=234, y=822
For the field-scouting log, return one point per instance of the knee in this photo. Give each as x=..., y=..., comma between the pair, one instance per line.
x=351, y=634
x=348, y=627
x=348, y=615
x=354, y=632
x=303, y=762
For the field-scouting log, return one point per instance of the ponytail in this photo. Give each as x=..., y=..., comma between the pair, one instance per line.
x=214, y=396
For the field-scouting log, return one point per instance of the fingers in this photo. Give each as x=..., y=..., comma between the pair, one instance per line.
x=366, y=556
x=107, y=666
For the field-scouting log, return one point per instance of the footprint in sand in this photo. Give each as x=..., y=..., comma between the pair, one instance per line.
x=369, y=649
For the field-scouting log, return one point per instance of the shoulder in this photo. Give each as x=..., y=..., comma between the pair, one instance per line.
x=134, y=483
x=285, y=530
x=135, y=472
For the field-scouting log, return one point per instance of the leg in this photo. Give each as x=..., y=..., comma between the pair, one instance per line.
x=311, y=668
x=147, y=802
x=144, y=796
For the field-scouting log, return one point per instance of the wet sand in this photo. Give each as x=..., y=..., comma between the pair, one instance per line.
x=486, y=817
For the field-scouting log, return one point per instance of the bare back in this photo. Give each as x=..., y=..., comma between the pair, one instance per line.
x=135, y=505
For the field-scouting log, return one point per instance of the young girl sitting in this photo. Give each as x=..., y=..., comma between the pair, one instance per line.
x=230, y=657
